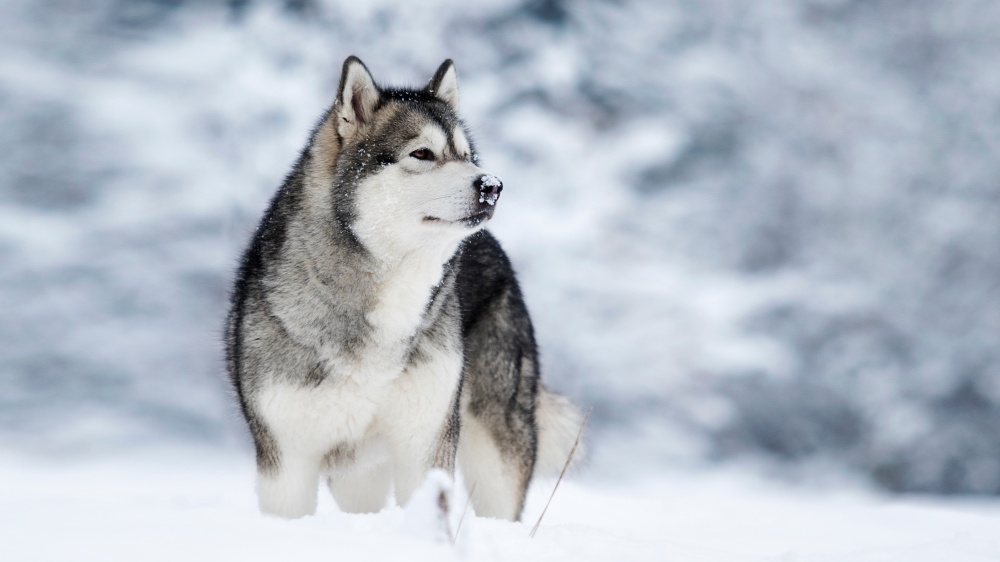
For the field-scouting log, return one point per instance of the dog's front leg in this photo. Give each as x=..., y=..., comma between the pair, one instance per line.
x=421, y=420
x=411, y=462
x=289, y=490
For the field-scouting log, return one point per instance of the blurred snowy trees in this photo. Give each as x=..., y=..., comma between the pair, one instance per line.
x=767, y=229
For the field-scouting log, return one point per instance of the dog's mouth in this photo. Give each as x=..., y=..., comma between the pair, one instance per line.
x=470, y=221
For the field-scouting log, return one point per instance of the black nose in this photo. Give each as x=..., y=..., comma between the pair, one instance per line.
x=489, y=187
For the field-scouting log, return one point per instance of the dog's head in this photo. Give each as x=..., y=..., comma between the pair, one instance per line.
x=406, y=174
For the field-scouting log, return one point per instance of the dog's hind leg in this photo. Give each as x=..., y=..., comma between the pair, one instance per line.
x=496, y=478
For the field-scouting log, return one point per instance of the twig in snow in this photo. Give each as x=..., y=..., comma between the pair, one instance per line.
x=445, y=508
x=464, y=511
x=563, y=473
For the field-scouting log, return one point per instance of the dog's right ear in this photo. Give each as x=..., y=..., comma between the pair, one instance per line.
x=357, y=97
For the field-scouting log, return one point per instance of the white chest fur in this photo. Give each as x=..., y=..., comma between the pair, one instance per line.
x=402, y=299
x=343, y=407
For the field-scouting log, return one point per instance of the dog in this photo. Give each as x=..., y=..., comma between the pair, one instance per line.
x=376, y=331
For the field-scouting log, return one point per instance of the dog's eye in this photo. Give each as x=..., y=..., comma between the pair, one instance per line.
x=422, y=154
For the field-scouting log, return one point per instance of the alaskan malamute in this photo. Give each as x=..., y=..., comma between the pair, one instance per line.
x=376, y=329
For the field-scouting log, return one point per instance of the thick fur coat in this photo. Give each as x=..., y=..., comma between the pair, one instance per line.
x=375, y=330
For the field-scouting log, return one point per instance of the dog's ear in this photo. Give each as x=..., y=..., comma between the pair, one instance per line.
x=444, y=85
x=357, y=97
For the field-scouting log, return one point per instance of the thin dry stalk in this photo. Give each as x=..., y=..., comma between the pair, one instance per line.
x=458, y=528
x=563, y=473
x=445, y=508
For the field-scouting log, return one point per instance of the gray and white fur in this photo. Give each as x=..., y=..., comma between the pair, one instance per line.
x=375, y=330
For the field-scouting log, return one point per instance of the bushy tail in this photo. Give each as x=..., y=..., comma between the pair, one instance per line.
x=559, y=423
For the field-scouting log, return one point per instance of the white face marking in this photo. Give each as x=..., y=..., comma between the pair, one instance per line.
x=431, y=138
x=461, y=144
x=418, y=204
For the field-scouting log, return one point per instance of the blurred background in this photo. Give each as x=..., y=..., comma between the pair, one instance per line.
x=763, y=233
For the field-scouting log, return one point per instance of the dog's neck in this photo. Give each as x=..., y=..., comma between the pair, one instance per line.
x=405, y=284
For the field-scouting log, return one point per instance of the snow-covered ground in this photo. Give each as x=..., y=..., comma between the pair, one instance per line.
x=187, y=504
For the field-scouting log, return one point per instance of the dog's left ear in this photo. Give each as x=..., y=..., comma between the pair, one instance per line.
x=444, y=85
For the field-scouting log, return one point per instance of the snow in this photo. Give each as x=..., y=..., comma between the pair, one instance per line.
x=194, y=504
x=430, y=514
x=490, y=181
